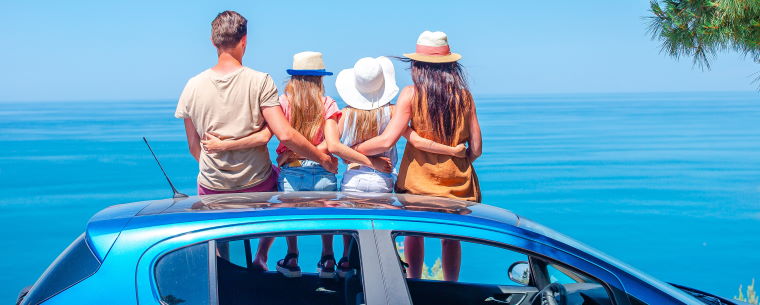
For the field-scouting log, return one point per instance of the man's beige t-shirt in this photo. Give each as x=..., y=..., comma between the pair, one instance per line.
x=230, y=105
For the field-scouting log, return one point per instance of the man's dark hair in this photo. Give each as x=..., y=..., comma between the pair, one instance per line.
x=227, y=29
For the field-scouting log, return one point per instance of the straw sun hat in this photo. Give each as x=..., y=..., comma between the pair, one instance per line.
x=308, y=63
x=370, y=84
x=433, y=47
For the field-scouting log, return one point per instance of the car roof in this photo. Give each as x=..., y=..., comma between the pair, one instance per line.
x=326, y=204
x=105, y=226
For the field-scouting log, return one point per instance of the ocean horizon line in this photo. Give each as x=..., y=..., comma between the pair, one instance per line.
x=475, y=94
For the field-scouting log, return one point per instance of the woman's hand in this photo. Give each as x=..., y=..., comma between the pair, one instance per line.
x=459, y=151
x=382, y=164
x=212, y=143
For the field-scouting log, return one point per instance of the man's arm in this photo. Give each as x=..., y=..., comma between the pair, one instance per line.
x=295, y=141
x=213, y=143
x=193, y=139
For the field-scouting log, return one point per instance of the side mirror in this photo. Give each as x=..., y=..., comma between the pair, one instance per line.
x=519, y=272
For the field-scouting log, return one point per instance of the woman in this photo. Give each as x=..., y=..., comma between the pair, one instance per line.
x=368, y=89
x=439, y=107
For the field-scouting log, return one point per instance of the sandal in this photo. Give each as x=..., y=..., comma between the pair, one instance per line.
x=285, y=269
x=404, y=266
x=258, y=268
x=344, y=268
x=326, y=272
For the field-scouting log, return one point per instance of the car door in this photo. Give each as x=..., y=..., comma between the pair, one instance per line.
x=207, y=267
x=486, y=256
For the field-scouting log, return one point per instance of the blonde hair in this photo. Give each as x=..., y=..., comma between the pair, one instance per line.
x=367, y=124
x=305, y=93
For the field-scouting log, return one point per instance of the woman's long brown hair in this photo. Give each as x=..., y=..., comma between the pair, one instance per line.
x=442, y=101
x=306, y=107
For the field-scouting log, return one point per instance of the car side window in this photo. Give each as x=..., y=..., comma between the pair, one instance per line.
x=558, y=274
x=480, y=263
x=244, y=279
x=182, y=276
x=76, y=263
x=448, y=271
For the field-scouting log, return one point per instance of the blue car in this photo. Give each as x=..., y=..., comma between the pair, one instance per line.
x=203, y=250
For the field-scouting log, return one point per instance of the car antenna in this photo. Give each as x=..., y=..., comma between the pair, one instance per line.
x=177, y=194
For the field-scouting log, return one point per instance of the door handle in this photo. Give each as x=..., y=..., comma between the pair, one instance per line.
x=496, y=301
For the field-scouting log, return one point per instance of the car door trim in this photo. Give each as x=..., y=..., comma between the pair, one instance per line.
x=393, y=278
x=213, y=290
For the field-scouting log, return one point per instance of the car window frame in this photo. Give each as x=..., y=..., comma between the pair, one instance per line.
x=532, y=280
x=508, y=240
x=147, y=292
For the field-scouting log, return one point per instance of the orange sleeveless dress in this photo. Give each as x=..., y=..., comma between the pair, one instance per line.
x=424, y=173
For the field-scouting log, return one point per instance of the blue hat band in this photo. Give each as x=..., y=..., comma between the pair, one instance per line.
x=319, y=72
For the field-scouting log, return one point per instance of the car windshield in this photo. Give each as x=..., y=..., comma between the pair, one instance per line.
x=669, y=289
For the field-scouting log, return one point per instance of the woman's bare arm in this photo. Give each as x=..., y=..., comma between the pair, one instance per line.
x=459, y=151
x=396, y=127
x=332, y=137
x=295, y=141
x=213, y=143
x=475, y=148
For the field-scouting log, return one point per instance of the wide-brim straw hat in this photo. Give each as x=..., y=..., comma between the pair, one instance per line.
x=370, y=84
x=433, y=47
x=308, y=63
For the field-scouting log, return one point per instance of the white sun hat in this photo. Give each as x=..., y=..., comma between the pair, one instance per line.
x=370, y=84
x=433, y=47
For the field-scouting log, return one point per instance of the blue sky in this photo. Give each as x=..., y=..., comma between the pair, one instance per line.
x=146, y=50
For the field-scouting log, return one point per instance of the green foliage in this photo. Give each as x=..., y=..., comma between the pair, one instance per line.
x=702, y=28
x=751, y=296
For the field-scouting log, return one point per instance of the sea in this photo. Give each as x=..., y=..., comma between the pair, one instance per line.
x=666, y=182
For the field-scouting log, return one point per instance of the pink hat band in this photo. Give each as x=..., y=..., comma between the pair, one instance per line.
x=436, y=51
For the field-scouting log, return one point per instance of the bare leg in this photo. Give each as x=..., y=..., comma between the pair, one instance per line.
x=327, y=249
x=346, y=244
x=262, y=252
x=414, y=252
x=451, y=259
x=292, y=248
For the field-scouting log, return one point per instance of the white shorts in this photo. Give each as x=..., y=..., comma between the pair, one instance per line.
x=368, y=180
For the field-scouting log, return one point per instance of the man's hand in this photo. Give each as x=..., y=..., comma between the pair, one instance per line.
x=382, y=164
x=212, y=143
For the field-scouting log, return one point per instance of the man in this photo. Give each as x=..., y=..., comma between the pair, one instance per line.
x=230, y=101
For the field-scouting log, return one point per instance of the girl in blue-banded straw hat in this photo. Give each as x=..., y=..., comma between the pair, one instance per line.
x=315, y=116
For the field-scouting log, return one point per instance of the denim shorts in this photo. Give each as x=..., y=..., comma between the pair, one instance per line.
x=310, y=176
x=365, y=179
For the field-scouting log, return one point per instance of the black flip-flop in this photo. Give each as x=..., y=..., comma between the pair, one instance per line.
x=404, y=266
x=326, y=272
x=257, y=268
x=289, y=271
x=344, y=271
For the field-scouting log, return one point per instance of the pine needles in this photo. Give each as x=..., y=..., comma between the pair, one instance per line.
x=702, y=28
